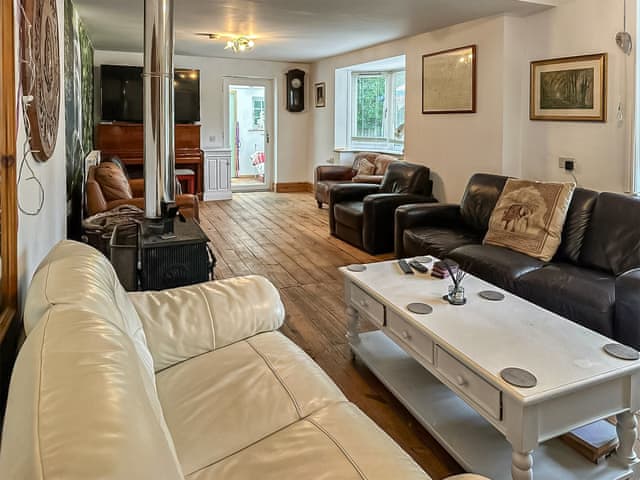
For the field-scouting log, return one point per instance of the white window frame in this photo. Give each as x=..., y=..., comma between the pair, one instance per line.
x=388, y=139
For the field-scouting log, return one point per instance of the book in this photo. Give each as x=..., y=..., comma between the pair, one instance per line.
x=594, y=441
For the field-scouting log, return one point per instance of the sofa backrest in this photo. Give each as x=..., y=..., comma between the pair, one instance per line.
x=403, y=177
x=368, y=156
x=576, y=224
x=83, y=385
x=480, y=198
x=612, y=240
x=382, y=163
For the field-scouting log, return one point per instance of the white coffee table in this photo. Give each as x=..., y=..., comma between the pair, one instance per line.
x=445, y=368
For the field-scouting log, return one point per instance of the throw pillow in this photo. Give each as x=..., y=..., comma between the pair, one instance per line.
x=365, y=167
x=529, y=217
x=113, y=182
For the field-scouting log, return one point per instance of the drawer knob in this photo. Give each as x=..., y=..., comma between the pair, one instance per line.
x=406, y=335
x=460, y=381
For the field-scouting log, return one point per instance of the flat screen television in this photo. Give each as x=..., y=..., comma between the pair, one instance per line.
x=122, y=91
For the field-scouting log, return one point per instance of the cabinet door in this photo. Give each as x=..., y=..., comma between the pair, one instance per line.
x=224, y=181
x=212, y=174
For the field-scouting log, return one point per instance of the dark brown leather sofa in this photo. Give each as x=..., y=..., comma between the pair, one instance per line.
x=593, y=280
x=108, y=187
x=363, y=214
x=328, y=175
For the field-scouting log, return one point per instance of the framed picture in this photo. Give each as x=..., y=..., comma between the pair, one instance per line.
x=569, y=89
x=449, y=81
x=321, y=95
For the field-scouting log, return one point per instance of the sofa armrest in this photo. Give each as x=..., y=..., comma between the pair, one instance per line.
x=422, y=215
x=626, y=326
x=185, y=322
x=348, y=192
x=334, y=172
x=368, y=179
x=378, y=222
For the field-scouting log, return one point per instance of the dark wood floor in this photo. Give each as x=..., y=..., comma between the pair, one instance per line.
x=285, y=237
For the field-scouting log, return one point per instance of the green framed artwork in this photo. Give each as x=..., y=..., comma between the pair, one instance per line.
x=569, y=89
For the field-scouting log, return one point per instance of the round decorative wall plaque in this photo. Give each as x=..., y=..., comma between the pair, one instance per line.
x=40, y=73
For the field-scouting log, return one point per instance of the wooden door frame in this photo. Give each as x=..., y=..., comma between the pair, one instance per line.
x=8, y=192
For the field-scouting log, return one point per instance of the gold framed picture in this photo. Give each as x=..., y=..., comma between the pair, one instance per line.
x=569, y=89
x=449, y=81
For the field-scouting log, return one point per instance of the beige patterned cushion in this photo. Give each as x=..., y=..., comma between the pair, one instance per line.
x=529, y=217
x=366, y=168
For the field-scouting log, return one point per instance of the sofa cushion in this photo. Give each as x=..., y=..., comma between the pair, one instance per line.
x=113, y=181
x=437, y=241
x=575, y=226
x=349, y=214
x=499, y=266
x=365, y=168
x=382, y=163
x=336, y=442
x=612, y=242
x=529, y=217
x=221, y=402
x=583, y=295
x=479, y=200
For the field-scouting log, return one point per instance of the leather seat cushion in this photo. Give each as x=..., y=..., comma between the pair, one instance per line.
x=497, y=265
x=437, y=241
x=113, y=181
x=583, y=295
x=221, y=402
x=349, y=214
x=337, y=442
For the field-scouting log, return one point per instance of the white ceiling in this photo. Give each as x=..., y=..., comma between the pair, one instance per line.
x=288, y=30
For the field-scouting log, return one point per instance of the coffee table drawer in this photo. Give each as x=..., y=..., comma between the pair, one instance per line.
x=411, y=336
x=469, y=383
x=366, y=304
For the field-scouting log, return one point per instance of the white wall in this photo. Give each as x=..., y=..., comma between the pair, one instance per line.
x=500, y=138
x=37, y=234
x=292, y=128
x=601, y=150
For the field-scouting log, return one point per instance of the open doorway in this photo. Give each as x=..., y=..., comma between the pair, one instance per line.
x=249, y=121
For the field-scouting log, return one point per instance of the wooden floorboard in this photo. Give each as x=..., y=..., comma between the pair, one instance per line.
x=285, y=237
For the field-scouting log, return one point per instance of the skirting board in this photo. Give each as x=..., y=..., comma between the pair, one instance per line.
x=292, y=187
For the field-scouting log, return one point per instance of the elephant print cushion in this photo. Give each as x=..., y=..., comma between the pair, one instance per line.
x=529, y=217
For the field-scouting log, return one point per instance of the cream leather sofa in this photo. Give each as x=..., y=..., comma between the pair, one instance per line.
x=190, y=383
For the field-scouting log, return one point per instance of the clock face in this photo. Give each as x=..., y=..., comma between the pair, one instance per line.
x=296, y=83
x=41, y=75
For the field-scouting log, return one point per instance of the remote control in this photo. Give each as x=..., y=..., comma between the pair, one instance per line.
x=405, y=267
x=418, y=267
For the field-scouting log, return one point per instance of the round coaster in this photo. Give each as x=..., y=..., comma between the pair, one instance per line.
x=420, y=308
x=519, y=377
x=425, y=259
x=356, y=268
x=621, y=351
x=491, y=295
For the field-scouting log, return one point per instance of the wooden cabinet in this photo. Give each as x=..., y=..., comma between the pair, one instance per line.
x=217, y=174
x=126, y=140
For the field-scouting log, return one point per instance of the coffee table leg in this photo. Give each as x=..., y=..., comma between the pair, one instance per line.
x=627, y=428
x=522, y=465
x=353, y=334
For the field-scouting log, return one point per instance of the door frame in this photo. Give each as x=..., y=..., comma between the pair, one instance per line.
x=270, y=126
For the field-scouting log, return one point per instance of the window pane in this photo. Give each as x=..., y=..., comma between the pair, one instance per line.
x=258, y=112
x=399, y=89
x=370, y=106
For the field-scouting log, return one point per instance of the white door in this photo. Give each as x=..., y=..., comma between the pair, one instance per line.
x=249, y=123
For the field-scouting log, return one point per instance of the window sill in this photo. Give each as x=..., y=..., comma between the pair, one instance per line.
x=370, y=148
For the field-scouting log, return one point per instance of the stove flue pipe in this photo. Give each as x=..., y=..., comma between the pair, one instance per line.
x=159, y=146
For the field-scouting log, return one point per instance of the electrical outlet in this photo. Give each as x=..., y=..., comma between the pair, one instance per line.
x=212, y=138
x=567, y=163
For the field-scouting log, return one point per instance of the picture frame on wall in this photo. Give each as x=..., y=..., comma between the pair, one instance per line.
x=569, y=89
x=321, y=94
x=449, y=81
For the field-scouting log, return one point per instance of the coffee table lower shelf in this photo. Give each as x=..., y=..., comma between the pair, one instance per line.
x=468, y=437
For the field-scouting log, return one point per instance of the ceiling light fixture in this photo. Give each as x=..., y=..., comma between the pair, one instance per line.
x=240, y=45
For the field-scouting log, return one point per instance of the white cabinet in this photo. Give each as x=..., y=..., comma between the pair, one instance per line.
x=217, y=174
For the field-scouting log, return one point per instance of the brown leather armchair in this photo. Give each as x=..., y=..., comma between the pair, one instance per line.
x=328, y=175
x=108, y=187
